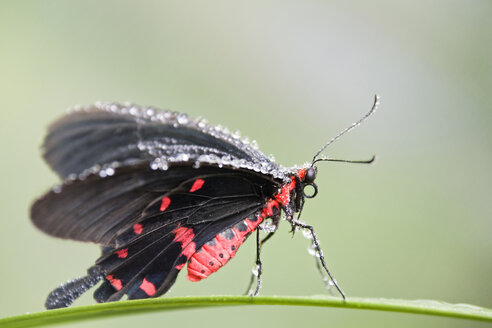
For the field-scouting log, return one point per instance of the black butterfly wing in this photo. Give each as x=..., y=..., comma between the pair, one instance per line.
x=130, y=175
x=148, y=267
x=100, y=135
x=150, y=221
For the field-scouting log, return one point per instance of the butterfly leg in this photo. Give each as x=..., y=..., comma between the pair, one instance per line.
x=319, y=252
x=258, y=269
x=326, y=280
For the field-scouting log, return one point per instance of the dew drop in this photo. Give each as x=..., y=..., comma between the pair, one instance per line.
x=255, y=270
x=268, y=227
x=236, y=134
x=182, y=119
x=133, y=110
x=307, y=234
x=202, y=123
x=312, y=252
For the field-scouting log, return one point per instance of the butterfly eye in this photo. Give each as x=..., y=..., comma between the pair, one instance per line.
x=310, y=175
x=314, y=188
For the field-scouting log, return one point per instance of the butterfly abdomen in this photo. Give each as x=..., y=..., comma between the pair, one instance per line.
x=218, y=251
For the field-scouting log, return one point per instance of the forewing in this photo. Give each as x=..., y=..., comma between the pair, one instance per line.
x=103, y=134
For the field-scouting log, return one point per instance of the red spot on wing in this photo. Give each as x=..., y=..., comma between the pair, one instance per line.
x=165, y=203
x=122, y=253
x=197, y=185
x=137, y=228
x=185, y=237
x=116, y=283
x=147, y=287
x=189, y=250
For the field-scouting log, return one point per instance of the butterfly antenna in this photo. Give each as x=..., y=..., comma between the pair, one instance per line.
x=364, y=161
x=348, y=129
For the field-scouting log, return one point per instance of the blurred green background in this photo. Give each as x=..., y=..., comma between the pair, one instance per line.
x=291, y=74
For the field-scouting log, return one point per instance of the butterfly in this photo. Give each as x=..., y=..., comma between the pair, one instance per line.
x=158, y=191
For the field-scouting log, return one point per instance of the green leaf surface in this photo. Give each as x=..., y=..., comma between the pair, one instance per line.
x=105, y=310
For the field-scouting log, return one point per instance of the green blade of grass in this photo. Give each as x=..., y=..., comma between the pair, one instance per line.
x=74, y=314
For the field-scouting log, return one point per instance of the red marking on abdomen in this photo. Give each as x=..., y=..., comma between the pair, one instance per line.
x=165, y=203
x=147, y=287
x=216, y=253
x=122, y=253
x=197, y=185
x=138, y=228
x=116, y=283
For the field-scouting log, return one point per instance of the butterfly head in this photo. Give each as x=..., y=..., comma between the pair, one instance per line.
x=305, y=187
x=306, y=179
x=310, y=174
